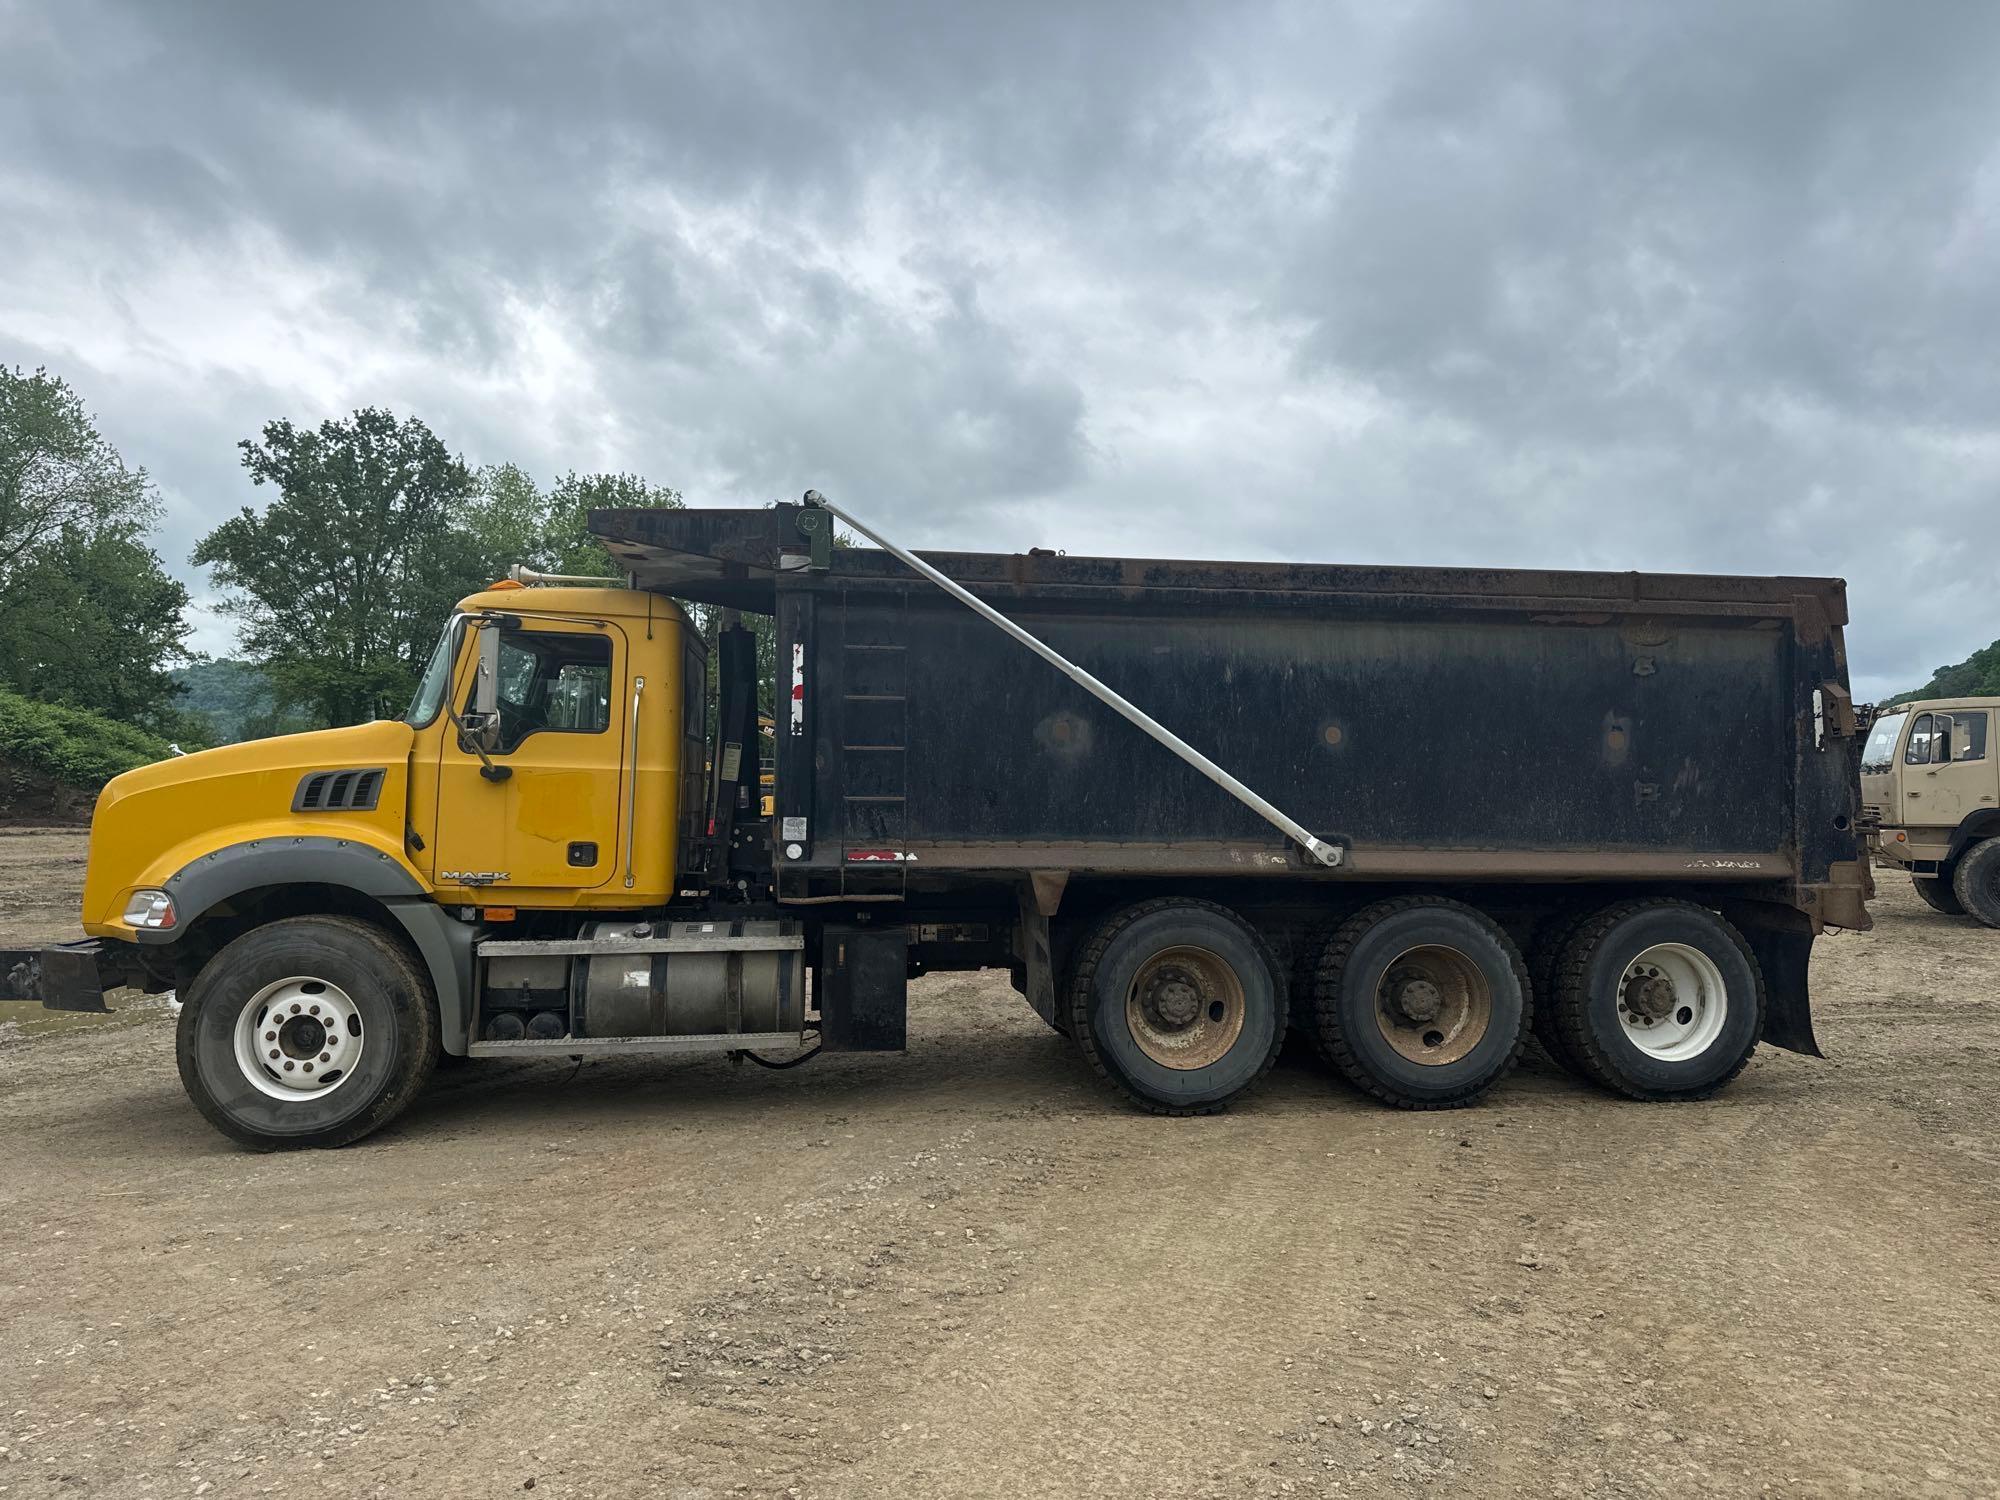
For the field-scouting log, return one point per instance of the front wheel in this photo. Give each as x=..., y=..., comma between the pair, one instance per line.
x=1659, y=1000
x=311, y=1031
x=1179, y=1003
x=1976, y=882
x=1938, y=895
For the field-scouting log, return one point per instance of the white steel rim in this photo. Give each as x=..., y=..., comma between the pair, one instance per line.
x=299, y=1038
x=1699, y=1008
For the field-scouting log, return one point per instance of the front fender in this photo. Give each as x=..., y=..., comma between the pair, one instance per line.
x=444, y=943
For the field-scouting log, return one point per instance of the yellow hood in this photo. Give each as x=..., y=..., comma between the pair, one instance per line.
x=152, y=822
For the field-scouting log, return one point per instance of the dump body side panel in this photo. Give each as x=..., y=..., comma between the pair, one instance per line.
x=1444, y=731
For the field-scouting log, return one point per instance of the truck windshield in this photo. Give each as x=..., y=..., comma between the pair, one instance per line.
x=437, y=677
x=1879, y=754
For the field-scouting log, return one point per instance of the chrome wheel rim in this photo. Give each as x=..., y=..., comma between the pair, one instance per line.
x=1672, y=1002
x=298, y=1038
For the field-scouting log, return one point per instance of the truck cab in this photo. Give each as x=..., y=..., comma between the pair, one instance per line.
x=1930, y=795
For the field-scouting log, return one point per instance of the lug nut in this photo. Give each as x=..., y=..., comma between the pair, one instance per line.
x=326, y=1057
x=270, y=1036
x=288, y=1067
x=315, y=1010
x=295, y=1009
x=274, y=1054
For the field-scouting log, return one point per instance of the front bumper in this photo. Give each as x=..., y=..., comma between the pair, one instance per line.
x=64, y=976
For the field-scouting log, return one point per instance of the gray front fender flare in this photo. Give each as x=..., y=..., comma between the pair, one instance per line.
x=444, y=942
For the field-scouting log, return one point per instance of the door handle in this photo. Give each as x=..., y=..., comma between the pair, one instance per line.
x=632, y=802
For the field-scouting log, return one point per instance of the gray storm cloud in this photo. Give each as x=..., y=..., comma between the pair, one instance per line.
x=1695, y=286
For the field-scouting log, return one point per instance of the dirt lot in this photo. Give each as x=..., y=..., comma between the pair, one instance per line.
x=971, y=1271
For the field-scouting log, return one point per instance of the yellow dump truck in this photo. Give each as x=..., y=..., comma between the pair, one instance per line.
x=1930, y=794
x=1413, y=813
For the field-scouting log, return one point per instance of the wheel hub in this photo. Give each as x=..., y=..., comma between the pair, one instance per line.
x=1418, y=998
x=1433, y=1005
x=301, y=1037
x=298, y=1038
x=1175, y=997
x=1185, y=1007
x=1649, y=995
x=1672, y=1002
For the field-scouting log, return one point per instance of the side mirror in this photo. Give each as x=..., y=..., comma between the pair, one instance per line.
x=481, y=726
x=486, y=688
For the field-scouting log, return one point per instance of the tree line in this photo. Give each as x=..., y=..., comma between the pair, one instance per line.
x=337, y=586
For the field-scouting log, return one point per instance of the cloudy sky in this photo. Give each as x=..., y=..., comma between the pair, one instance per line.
x=1700, y=285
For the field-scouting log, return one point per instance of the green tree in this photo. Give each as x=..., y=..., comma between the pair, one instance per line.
x=88, y=616
x=340, y=584
x=567, y=541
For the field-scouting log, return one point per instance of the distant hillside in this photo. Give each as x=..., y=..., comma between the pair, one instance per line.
x=1977, y=676
x=234, y=699
x=53, y=759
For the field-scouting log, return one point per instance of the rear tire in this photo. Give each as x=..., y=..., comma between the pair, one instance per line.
x=311, y=1031
x=1179, y=1003
x=1659, y=1000
x=1543, y=957
x=1938, y=895
x=1422, y=1002
x=1976, y=882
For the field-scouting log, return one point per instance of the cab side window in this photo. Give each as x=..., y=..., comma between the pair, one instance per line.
x=1922, y=735
x=1968, y=736
x=552, y=682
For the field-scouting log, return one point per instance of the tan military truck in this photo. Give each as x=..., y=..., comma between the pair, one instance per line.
x=1930, y=796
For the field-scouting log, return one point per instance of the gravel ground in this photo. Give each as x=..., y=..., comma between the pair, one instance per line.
x=972, y=1271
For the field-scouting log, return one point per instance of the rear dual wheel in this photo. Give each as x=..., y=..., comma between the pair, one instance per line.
x=1179, y=1003
x=1657, y=999
x=1421, y=1002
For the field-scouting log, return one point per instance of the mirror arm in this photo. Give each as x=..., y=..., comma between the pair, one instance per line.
x=465, y=737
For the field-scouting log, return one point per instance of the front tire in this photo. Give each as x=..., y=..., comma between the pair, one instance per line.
x=311, y=1031
x=1659, y=1000
x=1179, y=1003
x=1938, y=895
x=1976, y=882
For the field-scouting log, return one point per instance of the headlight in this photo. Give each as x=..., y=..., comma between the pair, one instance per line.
x=154, y=909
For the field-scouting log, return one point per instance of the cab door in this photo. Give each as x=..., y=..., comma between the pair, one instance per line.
x=1947, y=768
x=538, y=821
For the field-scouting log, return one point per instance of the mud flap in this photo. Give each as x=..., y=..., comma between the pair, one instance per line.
x=864, y=989
x=1782, y=939
x=64, y=977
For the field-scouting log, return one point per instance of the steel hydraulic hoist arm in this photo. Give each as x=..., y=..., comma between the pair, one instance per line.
x=1327, y=854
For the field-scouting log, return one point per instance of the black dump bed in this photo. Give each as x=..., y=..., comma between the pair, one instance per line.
x=1441, y=724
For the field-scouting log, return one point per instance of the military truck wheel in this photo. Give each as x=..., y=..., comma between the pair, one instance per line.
x=1659, y=999
x=1421, y=1002
x=1179, y=1003
x=311, y=1031
x=1976, y=882
x=1938, y=895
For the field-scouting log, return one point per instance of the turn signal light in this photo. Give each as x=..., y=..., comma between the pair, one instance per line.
x=150, y=909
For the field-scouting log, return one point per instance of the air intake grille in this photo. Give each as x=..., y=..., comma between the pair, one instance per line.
x=339, y=791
